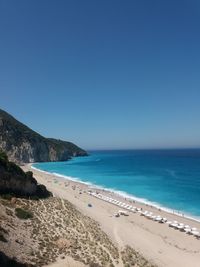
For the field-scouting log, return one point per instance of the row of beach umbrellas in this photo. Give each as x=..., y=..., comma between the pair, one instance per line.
x=149, y=215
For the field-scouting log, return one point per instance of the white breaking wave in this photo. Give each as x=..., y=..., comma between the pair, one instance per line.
x=123, y=194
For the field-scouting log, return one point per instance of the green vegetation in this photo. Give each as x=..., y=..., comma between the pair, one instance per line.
x=23, y=214
x=3, y=156
x=7, y=196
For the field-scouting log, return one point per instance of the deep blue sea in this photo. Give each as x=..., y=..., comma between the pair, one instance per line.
x=168, y=178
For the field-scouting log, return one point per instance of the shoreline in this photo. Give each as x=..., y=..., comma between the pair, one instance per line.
x=157, y=242
x=122, y=194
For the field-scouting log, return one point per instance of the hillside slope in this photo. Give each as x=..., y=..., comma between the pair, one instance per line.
x=14, y=181
x=23, y=145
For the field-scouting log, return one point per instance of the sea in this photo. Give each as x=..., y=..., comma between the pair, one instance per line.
x=168, y=179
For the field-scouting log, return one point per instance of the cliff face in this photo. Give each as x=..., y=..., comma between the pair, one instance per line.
x=13, y=180
x=23, y=145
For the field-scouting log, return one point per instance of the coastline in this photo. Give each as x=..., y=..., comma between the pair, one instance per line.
x=158, y=243
x=124, y=195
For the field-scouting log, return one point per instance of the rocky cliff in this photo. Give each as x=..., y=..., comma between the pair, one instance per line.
x=14, y=181
x=23, y=145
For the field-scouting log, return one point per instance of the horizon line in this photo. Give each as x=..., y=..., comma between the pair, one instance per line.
x=162, y=148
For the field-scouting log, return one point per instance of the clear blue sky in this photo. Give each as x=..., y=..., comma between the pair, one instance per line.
x=103, y=74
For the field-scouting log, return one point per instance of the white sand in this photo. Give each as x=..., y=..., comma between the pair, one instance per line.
x=157, y=242
x=67, y=262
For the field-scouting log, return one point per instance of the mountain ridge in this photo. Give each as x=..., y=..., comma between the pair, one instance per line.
x=24, y=145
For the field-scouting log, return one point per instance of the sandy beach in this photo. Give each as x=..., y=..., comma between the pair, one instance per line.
x=158, y=243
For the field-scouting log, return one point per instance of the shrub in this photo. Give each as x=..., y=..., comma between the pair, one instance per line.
x=7, y=196
x=94, y=264
x=3, y=156
x=29, y=174
x=23, y=214
x=2, y=238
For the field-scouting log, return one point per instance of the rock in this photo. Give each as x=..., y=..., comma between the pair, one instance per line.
x=14, y=181
x=24, y=145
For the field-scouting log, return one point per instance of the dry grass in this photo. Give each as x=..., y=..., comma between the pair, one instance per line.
x=132, y=258
x=57, y=229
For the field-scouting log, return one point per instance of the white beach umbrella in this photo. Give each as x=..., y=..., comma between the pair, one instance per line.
x=195, y=233
x=173, y=225
x=158, y=218
x=149, y=216
x=133, y=210
x=187, y=230
x=180, y=227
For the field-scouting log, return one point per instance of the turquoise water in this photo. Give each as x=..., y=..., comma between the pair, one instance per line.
x=170, y=178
